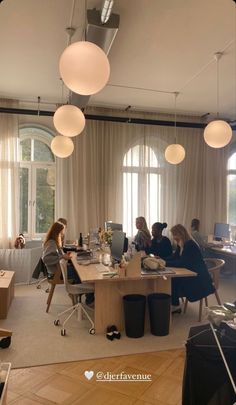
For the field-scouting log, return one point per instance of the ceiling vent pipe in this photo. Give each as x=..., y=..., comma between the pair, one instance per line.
x=101, y=34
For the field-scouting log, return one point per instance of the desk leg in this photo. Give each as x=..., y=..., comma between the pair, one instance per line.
x=109, y=303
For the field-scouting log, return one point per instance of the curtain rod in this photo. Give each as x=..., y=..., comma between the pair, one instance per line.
x=143, y=121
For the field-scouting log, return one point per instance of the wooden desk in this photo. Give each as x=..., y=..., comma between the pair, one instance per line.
x=6, y=292
x=109, y=292
x=227, y=253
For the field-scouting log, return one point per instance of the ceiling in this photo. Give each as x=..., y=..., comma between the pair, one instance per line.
x=162, y=47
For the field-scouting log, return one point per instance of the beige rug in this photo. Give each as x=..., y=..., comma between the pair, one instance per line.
x=36, y=341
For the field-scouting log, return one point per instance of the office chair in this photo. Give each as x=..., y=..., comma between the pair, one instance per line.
x=75, y=291
x=213, y=266
x=41, y=282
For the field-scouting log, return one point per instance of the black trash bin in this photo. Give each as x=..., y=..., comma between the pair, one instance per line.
x=134, y=312
x=159, y=313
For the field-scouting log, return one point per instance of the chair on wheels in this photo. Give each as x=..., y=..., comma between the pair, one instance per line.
x=214, y=266
x=75, y=291
x=57, y=279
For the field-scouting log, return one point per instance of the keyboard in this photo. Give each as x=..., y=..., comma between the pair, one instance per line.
x=159, y=272
x=106, y=271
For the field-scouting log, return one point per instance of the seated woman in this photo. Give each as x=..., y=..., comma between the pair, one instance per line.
x=160, y=245
x=188, y=255
x=142, y=239
x=53, y=253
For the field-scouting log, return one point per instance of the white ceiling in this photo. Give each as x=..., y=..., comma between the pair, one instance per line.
x=162, y=46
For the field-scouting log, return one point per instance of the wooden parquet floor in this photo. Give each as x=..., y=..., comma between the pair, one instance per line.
x=66, y=383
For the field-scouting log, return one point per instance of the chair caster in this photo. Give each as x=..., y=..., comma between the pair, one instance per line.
x=92, y=331
x=47, y=290
x=56, y=322
x=63, y=332
x=38, y=287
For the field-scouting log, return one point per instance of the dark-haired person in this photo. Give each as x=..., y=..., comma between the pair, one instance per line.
x=195, y=233
x=142, y=239
x=53, y=253
x=160, y=245
x=188, y=255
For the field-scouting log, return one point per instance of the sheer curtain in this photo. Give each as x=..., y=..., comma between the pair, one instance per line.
x=118, y=172
x=9, y=207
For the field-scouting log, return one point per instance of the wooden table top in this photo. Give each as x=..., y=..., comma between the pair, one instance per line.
x=6, y=278
x=91, y=273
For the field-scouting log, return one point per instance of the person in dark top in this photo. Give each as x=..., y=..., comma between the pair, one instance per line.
x=188, y=255
x=160, y=245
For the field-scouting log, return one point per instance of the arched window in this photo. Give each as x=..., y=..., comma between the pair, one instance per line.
x=141, y=186
x=37, y=181
x=231, y=188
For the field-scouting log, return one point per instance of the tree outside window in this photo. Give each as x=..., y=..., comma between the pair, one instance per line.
x=37, y=182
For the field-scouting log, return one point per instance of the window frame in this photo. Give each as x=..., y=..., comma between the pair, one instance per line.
x=228, y=173
x=142, y=173
x=44, y=135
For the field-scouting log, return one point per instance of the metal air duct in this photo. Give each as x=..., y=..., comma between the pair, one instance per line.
x=100, y=34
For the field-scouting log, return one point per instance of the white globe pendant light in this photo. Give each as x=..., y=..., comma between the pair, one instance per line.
x=69, y=120
x=62, y=146
x=175, y=153
x=84, y=68
x=218, y=134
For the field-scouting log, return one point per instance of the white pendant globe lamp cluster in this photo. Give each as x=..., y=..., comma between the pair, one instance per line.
x=175, y=153
x=84, y=68
x=218, y=133
x=69, y=120
x=62, y=146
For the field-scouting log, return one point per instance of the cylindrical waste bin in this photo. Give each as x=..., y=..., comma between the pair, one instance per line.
x=134, y=312
x=159, y=313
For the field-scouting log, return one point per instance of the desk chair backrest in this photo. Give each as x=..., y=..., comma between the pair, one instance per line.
x=74, y=289
x=63, y=265
x=214, y=265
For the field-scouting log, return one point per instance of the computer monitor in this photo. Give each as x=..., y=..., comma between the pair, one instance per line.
x=117, y=245
x=221, y=231
x=113, y=226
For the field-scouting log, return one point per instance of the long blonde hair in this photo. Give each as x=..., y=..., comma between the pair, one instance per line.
x=181, y=231
x=144, y=228
x=54, y=233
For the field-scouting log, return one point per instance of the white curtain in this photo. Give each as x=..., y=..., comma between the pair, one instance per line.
x=90, y=182
x=9, y=201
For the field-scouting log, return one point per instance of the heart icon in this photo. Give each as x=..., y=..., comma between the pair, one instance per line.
x=88, y=374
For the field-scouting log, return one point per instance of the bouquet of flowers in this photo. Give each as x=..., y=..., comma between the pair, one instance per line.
x=105, y=236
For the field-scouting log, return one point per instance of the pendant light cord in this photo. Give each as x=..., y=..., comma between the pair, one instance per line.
x=176, y=93
x=217, y=58
x=85, y=20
